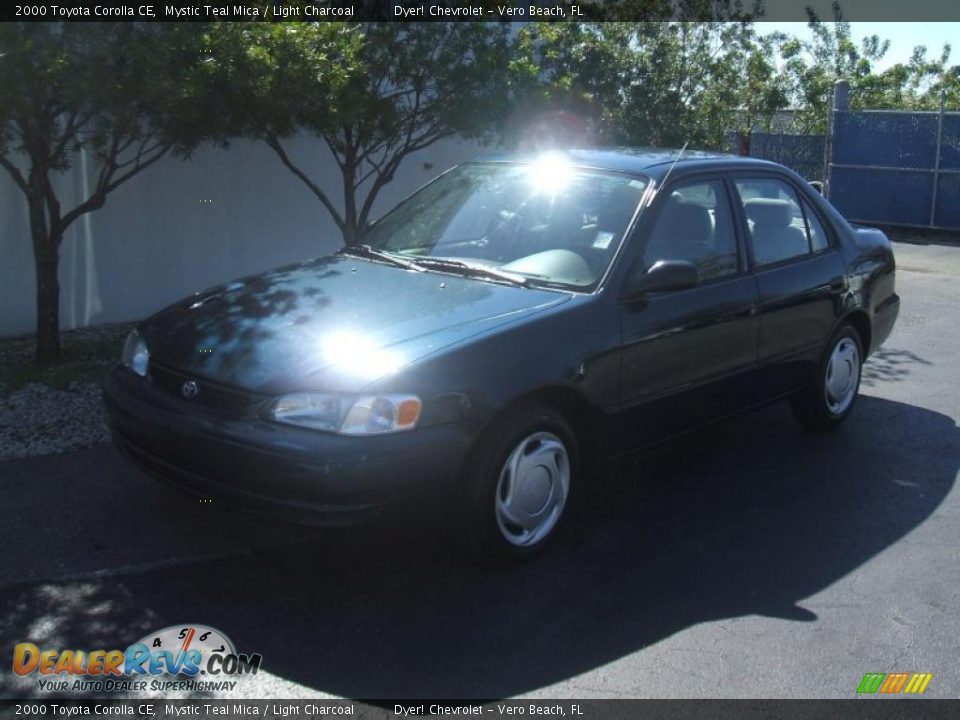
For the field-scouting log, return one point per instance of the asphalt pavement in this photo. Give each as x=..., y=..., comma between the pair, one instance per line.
x=750, y=560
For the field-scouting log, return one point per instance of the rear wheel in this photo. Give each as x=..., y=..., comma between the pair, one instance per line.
x=519, y=483
x=827, y=402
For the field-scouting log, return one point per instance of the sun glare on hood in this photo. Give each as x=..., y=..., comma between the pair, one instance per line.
x=357, y=355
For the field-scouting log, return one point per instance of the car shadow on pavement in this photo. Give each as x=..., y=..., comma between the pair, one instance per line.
x=888, y=364
x=748, y=517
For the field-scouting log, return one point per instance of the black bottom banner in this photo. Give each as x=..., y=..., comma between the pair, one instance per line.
x=864, y=709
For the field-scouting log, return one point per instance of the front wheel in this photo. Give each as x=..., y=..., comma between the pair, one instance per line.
x=827, y=402
x=519, y=484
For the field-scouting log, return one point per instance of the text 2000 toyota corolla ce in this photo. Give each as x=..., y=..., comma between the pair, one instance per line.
x=506, y=326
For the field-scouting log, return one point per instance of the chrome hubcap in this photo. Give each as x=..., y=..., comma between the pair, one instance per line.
x=843, y=374
x=533, y=488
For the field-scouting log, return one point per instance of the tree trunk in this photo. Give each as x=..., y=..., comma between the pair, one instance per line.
x=351, y=232
x=48, y=302
x=46, y=257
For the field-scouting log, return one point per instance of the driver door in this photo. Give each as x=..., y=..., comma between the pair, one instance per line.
x=686, y=353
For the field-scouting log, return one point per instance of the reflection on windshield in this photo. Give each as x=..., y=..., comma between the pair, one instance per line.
x=547, y=221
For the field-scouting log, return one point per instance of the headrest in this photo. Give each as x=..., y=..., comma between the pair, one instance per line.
x=685, y=222
x=767, y=211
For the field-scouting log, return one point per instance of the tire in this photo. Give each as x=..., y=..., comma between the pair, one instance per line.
x=829, y=400
x=518, y=485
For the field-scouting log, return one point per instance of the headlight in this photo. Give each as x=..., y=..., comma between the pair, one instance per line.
x=135, y=354
x=349, y=415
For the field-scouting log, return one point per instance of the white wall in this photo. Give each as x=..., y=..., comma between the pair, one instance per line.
x=155, y=241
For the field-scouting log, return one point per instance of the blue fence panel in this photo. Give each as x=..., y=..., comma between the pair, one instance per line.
x=891, y=139
x=893, y=197
x=801, y=153
x=950, y=144
x=948, y=201
x=895, y=156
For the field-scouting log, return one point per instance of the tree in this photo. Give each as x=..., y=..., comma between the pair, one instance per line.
x=406, y=86
x=812, y=67
x=761, y=86
x=660, y=83
x=264, y=77
x=78, y=87
x=128, y=94
x=929, y=82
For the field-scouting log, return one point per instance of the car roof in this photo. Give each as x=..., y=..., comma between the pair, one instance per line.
x=653, y=162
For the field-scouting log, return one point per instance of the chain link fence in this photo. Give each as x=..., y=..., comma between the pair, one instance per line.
x=805, y=154
x=890, y=167
x=897, y=168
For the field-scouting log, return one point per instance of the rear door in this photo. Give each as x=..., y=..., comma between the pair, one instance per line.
x=800, y=276
x=685, y=352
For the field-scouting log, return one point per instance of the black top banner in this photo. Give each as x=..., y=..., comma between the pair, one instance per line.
x=478, y=10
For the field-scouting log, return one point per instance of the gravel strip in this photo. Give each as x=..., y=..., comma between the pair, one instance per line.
x=64, y=412
x=37, y=420
x=18, y=349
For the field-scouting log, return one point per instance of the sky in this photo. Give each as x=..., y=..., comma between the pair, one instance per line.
x=903, y=37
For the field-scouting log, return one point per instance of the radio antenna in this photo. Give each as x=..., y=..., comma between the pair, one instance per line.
x=674, y=164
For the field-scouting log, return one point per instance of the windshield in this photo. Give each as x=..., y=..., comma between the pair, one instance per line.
x=547, y=222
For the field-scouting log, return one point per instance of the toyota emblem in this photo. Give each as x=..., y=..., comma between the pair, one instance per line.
x=190, y=389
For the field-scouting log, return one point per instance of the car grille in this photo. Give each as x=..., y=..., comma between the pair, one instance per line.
x=213, y=395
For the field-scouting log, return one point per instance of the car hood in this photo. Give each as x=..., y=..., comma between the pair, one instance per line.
x=333, y=323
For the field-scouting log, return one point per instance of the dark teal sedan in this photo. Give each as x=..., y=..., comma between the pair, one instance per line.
x=505, y=328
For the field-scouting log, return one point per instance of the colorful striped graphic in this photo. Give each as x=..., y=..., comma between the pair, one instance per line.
x=918, y=683
x=893, y=683
x=870, y=683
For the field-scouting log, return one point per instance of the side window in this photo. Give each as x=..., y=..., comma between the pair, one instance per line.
x=695, y=224
x=778, y=229
x=818, y=234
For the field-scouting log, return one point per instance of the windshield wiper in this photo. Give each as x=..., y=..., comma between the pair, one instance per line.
x=473, y=270
x=365, y=251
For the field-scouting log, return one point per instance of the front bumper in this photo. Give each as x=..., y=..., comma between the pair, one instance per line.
x=298, y=474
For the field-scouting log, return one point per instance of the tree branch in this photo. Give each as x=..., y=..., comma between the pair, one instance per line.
x=106, y=183
x=68, y=131
x=274, y=143
x=15, y=173
x=390, y=167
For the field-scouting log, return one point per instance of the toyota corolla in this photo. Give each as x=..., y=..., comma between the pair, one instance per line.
x=511, y=324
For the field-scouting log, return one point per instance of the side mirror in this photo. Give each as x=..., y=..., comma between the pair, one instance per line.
x=664, y=275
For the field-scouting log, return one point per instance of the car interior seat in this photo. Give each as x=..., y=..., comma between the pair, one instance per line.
x=682, y=232
x=774, y=237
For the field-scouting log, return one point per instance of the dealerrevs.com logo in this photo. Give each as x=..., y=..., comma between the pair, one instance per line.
x=188, y=651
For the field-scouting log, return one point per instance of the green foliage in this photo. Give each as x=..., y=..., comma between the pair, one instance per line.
x=267, y=79
x=105, y=87
x=118, y=91
x=812, y=68
x=654, y=83
x=375, y=93
x=695, y=80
